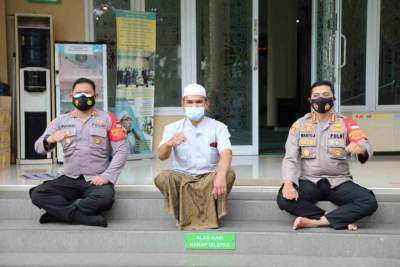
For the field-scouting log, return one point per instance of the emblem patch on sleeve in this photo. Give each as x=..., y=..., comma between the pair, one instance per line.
x=116, y=133
x=294, y=129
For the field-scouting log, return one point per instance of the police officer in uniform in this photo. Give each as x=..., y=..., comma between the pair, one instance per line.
x=315, y=166
x=87, y=186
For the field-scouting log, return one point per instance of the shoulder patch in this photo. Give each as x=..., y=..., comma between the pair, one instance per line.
x=116, y=133
x=354, y=131
x=294, y=129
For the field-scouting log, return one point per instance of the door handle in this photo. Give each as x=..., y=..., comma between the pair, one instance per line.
x=331, y=55
x=255, y=66
x=342, y=36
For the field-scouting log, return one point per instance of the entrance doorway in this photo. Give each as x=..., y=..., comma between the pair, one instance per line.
x=284, y=69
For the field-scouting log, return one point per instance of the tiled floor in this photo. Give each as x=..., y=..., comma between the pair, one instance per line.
x=254, y=171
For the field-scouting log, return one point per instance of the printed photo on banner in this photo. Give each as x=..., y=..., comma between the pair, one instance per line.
x=136, y=35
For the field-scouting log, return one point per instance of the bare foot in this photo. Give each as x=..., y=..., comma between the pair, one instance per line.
x=352, y=227
x=302, y=222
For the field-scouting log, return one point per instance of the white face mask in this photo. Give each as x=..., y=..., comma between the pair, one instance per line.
x=194, y=113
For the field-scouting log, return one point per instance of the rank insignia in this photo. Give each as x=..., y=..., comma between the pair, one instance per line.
x=303, y=142
x=312, y=142
x=338, y=152
x=314, y=117
x=333, y=117
x=97, y=141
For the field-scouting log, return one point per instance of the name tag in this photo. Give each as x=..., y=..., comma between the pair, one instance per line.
x=337, y=135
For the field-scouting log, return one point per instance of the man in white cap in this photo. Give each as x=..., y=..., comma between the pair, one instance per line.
x=195, y=191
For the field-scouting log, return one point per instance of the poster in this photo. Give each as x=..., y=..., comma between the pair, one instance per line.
x=73, y=61
x=136, y=45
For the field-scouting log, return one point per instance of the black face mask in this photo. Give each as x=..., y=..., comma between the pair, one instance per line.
x=83, y=102
x=322, y=104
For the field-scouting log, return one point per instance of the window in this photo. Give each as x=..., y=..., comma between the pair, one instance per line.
x=168, y=56
x=389, y=53
x=168, y=51
x=224, y=43
x=354, y=33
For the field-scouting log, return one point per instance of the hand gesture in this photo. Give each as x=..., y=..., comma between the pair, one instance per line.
x=355, y=149
x=57, y=137
x=289, y=191
x=177, y=139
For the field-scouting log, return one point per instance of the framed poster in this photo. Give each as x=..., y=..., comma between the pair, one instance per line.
x=136, y=48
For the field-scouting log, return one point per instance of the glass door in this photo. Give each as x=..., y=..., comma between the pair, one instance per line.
x=227, y=65
x=326, y=43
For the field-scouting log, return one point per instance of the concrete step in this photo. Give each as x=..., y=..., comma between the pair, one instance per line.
x=141, y=234
x=157, y=236
x=188, y=259
x=243, y=206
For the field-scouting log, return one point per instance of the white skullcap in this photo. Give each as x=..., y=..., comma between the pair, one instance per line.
x=194, y=89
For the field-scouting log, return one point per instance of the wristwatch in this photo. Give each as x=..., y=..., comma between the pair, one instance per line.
x=46, y=144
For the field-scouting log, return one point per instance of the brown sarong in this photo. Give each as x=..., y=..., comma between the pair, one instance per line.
x=190, y=200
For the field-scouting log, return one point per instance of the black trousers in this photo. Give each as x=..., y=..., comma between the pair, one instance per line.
x=63, y=196
x=354, y=202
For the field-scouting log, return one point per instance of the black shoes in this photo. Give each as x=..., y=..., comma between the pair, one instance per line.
x=78, y=218
x=48, y=218
x=92, y=220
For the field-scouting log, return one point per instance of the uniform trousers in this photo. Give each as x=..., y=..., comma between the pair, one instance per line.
x=354, y=202
x=64, y=197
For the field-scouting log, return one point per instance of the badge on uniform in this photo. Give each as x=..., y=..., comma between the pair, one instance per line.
x=99, y=122
x=308, y=127
x=338, y=152
x=338, y=128
x=97, y=141
x=294, y=129
x=306, y=152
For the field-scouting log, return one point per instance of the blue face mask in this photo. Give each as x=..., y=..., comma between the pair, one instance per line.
x=194, y=113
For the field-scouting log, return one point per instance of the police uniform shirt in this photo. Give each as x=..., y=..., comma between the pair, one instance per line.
x=200, y=153
x=87, y=145
x=316, y=150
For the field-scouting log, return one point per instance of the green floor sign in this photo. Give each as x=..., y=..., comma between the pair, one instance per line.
x=210, y=241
